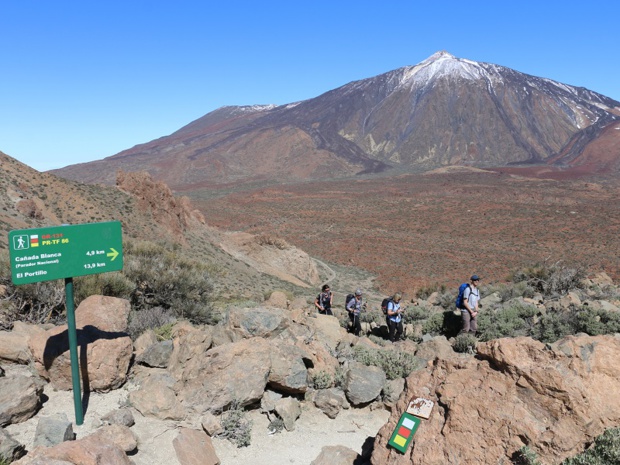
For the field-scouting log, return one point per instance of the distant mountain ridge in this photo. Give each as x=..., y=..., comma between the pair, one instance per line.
x=443, y=111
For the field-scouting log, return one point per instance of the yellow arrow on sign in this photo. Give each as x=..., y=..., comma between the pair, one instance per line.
x=112, y=254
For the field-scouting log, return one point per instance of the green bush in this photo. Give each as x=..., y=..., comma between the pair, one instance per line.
x=525, y=456
x=465, y=343
x=322, y=380
x=509, y=321
x=416, y=313
x=605, y=451
x=433, y=325
x=114, y=284
x=394, y=363
x=164, y=278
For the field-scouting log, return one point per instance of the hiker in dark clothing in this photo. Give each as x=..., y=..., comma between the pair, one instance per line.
x=355, y=307
x=324, y=301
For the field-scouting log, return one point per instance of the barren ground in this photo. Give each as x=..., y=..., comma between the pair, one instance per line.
x=313, y=430
x=416, y=230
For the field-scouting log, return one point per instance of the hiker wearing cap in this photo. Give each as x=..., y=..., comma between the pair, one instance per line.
x=471, y=299
x=354, y=307
x=394, y=317
x=324, y=301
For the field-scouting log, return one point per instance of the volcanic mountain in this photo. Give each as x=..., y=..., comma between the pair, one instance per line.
x=443, y=111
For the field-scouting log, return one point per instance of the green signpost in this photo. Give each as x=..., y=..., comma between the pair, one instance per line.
x=64, y=252
x=59, y=252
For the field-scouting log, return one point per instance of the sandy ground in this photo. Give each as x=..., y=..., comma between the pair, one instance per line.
x=313, y=430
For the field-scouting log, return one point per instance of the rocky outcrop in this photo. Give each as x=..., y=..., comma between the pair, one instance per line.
x=20, y=398
x=555, y=399
x=172, y=213
x=104, y=348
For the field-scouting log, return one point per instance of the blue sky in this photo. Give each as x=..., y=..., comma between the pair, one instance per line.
x=81, y=80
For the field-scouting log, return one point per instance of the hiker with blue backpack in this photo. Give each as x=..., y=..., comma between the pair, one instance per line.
x=394, y=317
x=354, y=306
x=468, y=302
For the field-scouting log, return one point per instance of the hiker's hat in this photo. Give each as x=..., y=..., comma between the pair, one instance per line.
x=475, y=278
x=358, y=292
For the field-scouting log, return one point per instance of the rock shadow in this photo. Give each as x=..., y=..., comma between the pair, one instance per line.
x=58, y=344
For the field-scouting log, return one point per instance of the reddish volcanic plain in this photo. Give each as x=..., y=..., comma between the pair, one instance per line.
x=415, y=230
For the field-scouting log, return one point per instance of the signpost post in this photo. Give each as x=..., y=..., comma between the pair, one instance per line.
x=64, y=252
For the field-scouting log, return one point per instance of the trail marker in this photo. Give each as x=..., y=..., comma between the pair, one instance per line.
x=403, y=434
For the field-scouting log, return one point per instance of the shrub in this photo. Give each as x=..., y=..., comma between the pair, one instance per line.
x=553, y=326
x=150, y=318
x=416, y=313
x=321, y=380
x=433, y=325
x=425, y=291
x=551, y=279
x=164, y=278
x=605, y=451
x=394, y=363
x=237, y=428
x=276, y=425
x=510, y=321
x=114, y=284
x=465, y=343
x=525, y=456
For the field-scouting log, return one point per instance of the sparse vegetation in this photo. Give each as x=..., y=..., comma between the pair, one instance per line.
x=322, y=380
x=465, y=343
x=395, y=364
x=604, y=451
x=237, y=428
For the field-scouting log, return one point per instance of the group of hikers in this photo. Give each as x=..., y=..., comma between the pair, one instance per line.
x=467, y=301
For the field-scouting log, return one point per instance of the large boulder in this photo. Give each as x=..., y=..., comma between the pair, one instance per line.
x=330, y=401
x=288, y=371
x=189, y=347
x=258, y=322
x=20, y=398
x=289, y=410
x=155, y=397
x=104, y=348
x=554, y=399
x=10, y=449
x=327, y=329
x=194, y=447
x=363, y=384
x=92, y=450
x=52, y=430
x=232, y=373
x=14, y=345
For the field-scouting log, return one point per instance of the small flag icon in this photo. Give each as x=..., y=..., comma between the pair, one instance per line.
x=403, y=434
x=34, y=240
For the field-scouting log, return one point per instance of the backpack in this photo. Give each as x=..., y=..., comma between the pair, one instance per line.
x=348, y=299
x=384, y=304
x=459, y=297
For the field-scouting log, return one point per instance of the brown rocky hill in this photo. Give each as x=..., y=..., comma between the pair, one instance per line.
x=148, y=210
x=442, y=111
